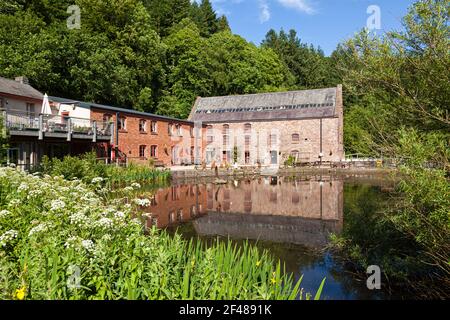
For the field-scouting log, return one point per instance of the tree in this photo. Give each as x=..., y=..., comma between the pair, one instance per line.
x=308, y=65
x=404, y=74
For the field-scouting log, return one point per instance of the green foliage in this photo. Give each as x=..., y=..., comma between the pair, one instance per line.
x=398, y=79
x=308, y=65
x=50, y=227
x=290, y=161
x=219, y=65
x=115, y=58
x=86, y=168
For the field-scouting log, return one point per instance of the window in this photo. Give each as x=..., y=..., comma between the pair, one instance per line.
x=170, y=129
x=247, y=141
x=295, y=137
x=272, y=140
x=142, y=126
x=247, y=157
x=178, y=130
x=191, y=130
x=153, y=151
x=226, y=140
x=154, y=127
x=226, y=129
x=122, y=123
x=107, y=117
x=209, y=135
x=142, y=151
x=247, y=128
x=2, y=103
x=295, y=154
x=30, y=110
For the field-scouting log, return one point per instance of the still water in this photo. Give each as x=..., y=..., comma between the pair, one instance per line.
x=291, y=217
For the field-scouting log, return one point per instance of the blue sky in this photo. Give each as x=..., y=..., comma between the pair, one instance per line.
x=323, y=23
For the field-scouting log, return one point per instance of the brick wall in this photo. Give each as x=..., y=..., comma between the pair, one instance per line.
x=130, y=138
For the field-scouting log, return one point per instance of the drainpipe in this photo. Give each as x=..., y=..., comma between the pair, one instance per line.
x=321, y=144
x=117, y=138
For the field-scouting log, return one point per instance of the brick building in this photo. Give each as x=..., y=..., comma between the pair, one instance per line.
x=140, y=137
x=268, y=128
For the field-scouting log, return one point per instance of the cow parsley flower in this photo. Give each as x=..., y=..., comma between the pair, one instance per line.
x=8, y=236
x=88, y=245
x=4, y=213
x=135, y=185
x=142, y=202
x=70, y=243
x=23, y=187
x=57, y=205
x=97, y=180
x=105, y=223
x=119, y=214
x=39, y=228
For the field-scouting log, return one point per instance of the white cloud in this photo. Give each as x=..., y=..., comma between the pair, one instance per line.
x=299, y=5
x=264, y=14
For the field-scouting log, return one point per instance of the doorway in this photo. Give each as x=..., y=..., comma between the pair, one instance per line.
x=274, y=157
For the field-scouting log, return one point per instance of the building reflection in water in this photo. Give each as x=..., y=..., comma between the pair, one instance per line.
x=279, y=209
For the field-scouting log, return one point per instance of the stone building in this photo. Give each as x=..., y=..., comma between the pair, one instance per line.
x=268, y=128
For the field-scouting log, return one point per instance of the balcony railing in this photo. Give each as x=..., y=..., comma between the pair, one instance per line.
x=24, y=121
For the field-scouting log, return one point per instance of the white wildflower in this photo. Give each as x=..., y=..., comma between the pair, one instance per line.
x=70, y=243
x=57, y=205
x=135, y=185
x=39, y=228
x=88, y=245
x=14, y=203
x=119, y=215
x=97, y=180
x=128, y=189
x=105, y=223
x=79, y=219
x=4, y=213
x=7, y=237
x=23, y=187
x=142, y=202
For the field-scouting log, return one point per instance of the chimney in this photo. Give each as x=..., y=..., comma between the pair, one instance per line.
x=22, y=80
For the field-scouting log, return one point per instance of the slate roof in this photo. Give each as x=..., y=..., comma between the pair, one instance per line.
x=19, y=89
x=88, y=105
x=317, y=103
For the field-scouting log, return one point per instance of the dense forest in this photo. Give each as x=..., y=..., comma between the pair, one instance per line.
x=151, y=55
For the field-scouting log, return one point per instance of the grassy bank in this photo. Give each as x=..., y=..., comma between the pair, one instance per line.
x=60, y=239
x=86, y=168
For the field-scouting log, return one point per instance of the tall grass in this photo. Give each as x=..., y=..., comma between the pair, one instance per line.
x=60, y=240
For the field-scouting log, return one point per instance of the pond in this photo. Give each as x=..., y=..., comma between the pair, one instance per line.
x=291, y=217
